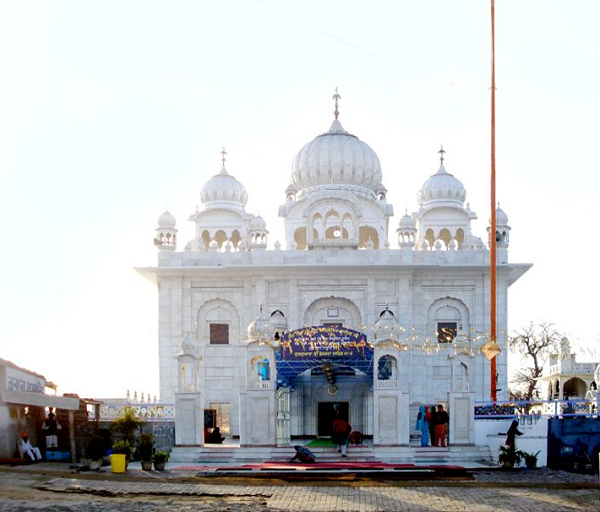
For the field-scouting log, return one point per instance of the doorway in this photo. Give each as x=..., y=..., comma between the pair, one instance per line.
x=327, y=413
x=223, y=419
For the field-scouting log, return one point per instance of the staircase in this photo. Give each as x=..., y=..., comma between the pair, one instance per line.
x=235, y=455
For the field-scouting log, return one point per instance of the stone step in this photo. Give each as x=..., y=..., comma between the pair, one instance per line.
x=453, y=455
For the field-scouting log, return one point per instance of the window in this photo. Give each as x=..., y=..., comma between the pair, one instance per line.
x=446, y=332
x=219, y=334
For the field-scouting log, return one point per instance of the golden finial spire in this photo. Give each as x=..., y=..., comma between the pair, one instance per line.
x=336, y=97
x=223, y=153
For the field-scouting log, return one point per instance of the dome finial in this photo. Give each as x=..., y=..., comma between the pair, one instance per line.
x=336, y=97
x=441, y=152
x=223, y=153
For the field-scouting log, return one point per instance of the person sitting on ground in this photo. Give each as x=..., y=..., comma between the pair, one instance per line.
x=31, y=451
x=304, y=455
x=215, y=436
x=356, y=437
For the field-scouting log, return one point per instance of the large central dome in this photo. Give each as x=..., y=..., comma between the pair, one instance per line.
x=336, y=157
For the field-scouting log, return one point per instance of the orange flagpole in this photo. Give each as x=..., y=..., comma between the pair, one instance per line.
x=493, y=217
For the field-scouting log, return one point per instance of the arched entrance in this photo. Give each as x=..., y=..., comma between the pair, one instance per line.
x=329, y=372
x=574, y=388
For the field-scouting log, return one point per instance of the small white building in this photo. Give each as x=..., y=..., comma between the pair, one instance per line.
x=356, y=315
x=23, y=405
x=564, y=378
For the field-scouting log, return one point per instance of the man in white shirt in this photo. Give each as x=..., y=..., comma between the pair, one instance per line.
x=31, y=451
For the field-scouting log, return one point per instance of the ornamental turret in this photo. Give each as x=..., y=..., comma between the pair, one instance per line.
x=165, y=238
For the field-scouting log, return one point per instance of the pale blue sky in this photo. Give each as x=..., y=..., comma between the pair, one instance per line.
x=110, y=111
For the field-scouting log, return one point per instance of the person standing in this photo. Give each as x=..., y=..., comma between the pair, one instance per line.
x=441, y=426
x=341, y=431
x=431, y=413
x=423, y=425
x=512, y=432
x=51, y=428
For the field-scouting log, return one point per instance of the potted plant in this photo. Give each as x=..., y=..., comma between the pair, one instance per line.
x=145, y=449
x=510, y=456
x=159, y=459
x=531, y=459
x=121, y=452
x=94, y=451
x=126, y=425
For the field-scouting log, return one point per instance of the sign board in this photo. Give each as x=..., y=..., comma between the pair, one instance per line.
x=20, y=381
x=324, y=342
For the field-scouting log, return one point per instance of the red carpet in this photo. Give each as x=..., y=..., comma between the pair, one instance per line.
x=288, y=466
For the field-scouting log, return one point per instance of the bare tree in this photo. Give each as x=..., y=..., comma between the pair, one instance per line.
x=535, y=343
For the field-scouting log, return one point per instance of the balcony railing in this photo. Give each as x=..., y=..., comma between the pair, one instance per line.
x=549, y=408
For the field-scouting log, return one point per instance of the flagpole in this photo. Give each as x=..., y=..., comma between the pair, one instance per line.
x=493, y=395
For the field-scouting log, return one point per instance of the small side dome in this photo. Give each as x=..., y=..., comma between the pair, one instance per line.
x=223, y=188
x=501, y=217
x=188, y=344
x=442, y=187
x=166, y=220
x=387, y=327
x=260, y=329
x=407, y=222
x=258, y=224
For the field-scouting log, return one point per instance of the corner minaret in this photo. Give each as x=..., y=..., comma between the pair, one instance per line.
x=165, y=238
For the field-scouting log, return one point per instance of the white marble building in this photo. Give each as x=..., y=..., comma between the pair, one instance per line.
x=565, y=378
x=419, y=295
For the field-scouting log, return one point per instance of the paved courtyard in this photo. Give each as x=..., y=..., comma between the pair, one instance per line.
x=38, y=488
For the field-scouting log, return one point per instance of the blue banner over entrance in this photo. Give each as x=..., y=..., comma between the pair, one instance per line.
x=311, y=347
x=323, y=342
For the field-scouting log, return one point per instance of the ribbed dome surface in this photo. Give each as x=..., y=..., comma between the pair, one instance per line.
x=336, y=157
x=406, y=222
x=501, y=217
x=442, y=187
x=258, y=223
x=224, y=188
x=166, y=220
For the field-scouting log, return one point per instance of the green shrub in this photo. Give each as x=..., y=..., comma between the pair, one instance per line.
x=160, y=456
x=145, y=446
x=127, y=424
x=122, y=447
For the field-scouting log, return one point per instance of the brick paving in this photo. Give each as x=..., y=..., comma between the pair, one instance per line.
x=542, y=490
x=173, y=491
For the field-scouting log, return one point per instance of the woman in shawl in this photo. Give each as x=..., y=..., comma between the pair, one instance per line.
x=423, y=425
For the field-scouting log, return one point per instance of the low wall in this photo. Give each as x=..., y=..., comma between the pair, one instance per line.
x=492, y=432
x=164, y=433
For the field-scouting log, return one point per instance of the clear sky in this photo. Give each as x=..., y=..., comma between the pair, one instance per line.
x=112, y=111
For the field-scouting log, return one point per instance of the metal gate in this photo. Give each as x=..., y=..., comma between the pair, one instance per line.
x=283, y=416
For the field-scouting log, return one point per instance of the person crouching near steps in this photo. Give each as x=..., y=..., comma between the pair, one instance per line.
x=32, y=452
